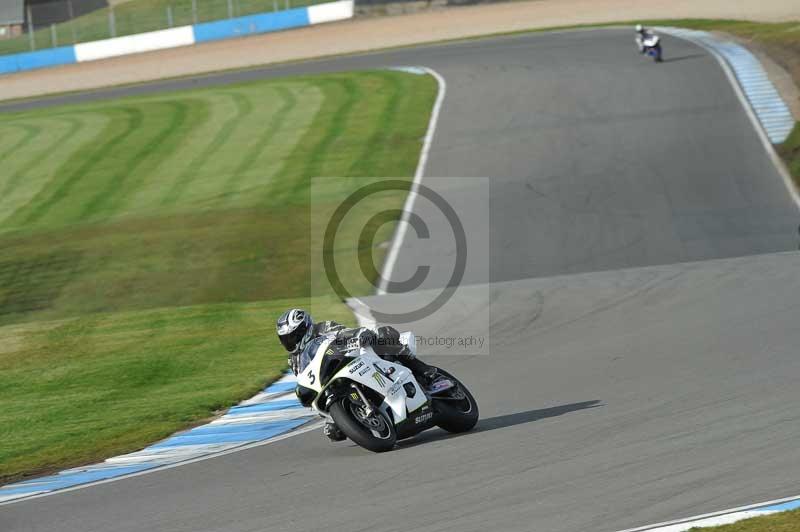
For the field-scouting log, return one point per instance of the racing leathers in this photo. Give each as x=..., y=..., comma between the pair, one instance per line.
x=385, y=341
x=641, y=37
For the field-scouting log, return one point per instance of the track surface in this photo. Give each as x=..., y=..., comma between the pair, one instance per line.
x=610, y=399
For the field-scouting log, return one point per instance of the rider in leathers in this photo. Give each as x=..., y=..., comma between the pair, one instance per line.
x=296, y=329
x=642, y=34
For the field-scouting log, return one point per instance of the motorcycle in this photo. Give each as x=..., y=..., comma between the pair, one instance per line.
x=652, y=47
x=376, y=402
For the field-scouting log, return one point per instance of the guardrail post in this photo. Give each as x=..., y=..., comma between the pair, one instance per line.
x=71, y=14
x=112, y=23
x=31, y=29
x=53, y=35
x=230, y=8
x=288, y=5
x=169, y=15
x=194, y=11
x=274, y=5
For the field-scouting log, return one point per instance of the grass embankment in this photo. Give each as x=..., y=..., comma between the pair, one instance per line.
x=148, y=243
x=136, y=16
x=780, y=522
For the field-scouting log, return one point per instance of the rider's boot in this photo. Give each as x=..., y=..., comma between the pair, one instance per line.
x=333, y=432
x=427, y=375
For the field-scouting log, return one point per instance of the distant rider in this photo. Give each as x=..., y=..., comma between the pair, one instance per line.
x=296, y=330
x=642, y=34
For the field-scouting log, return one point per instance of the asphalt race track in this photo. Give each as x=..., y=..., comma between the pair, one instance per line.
x=625, y=385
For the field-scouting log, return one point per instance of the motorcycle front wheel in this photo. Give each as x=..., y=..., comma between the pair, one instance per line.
x=374, y=432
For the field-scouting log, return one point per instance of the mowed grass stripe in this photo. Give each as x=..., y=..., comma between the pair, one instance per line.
x=40, y=156
x=48, y=169
x=124, y=122
x=28, y=133
x=208, y=114
x=318, y=166
x=377, y=140
x=317, y=153
x=262, y=142
x=163, y=141
x=197, y=165
x=209, y=185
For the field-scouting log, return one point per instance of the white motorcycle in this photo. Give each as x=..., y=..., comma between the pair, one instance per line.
x=652, y=47
x=376, y=402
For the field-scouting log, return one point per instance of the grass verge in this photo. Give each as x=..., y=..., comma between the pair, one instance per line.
x=81, y=389
x=780, y=522
x=149, y=242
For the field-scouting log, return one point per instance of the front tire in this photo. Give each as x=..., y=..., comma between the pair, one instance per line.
x=375, y=433
x=457, y=415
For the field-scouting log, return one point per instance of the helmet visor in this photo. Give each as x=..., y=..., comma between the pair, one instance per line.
x=290, y=339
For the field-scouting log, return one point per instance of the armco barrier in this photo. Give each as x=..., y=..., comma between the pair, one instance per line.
x=63, y=55
x=239, y=27
x=134, y=44
x=182, y=36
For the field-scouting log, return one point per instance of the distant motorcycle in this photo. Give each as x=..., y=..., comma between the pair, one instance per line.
x=652, y=47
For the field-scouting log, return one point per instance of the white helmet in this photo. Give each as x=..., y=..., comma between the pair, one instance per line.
x=639, y=28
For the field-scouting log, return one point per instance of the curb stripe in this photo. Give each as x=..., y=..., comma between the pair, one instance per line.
x=270, y=414
x=772, y=112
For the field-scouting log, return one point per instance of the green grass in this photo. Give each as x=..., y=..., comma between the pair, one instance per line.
x=138, y=16
x=780, y=522
x=790, y=151
x=149, y=242
x=81, y=389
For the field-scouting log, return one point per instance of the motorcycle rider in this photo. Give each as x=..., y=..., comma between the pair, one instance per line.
x=296, y=330
x=642, y=35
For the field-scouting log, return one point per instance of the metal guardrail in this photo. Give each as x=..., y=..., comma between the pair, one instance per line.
x=67, y=22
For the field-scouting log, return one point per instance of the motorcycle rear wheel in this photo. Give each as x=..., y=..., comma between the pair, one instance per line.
x=459, y=415
x=375, y=433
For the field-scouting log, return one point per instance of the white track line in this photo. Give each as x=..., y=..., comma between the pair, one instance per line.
x=362, y=312
x=301, y=430
x=402, y=225
x=689, y=520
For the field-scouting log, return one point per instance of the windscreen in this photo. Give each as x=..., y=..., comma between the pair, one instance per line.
x=307, y=354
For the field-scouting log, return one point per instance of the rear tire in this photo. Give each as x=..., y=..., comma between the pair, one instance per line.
x=457, y=416
x=376, y=434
